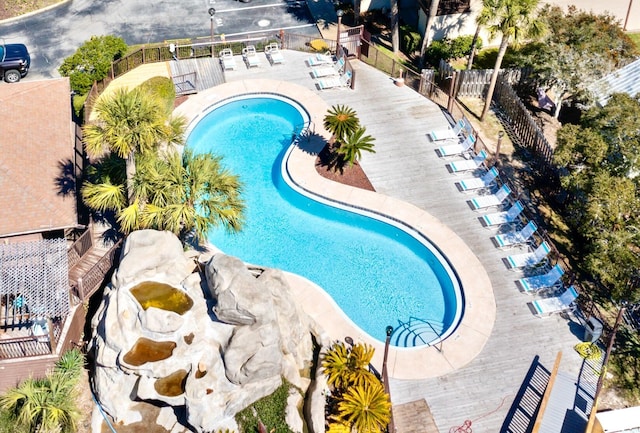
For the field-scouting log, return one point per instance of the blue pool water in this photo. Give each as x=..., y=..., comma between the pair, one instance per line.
x=379, y=275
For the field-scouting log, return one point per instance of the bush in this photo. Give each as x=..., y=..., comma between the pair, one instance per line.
x=92, y=61
x=411, y=39
x=270, y=410
x=162, y=89
x=448, y=49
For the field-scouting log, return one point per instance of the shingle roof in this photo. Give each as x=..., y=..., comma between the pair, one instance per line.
x=36, y=145
x=624, y=80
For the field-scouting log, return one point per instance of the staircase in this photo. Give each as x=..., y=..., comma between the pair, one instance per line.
x=416, y=332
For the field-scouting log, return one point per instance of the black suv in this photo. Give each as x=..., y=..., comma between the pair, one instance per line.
x=14, y=62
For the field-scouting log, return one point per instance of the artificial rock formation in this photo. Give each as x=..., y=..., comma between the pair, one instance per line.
x=215, y=344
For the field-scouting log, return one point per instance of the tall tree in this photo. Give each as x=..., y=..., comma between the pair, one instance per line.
x=395, y=28
x=129, y=122
x=514, y=20
x=426, y=39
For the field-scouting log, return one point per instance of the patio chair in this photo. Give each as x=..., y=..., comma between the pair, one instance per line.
x=509, y=216
x=449, y=133
x=465, y=165
x=327, y=71
x=485, y=181
x=458, y=148
x=491, y=200
x=335, y=82
x=227, y=60
x=272, y=51
x=537, y=283
x=528, y=260
x=250, y=56
x=515, y=238
x=545, y=307
x=320, y=59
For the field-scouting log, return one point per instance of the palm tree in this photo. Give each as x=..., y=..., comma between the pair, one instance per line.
x=187, y=193
x=43, y=405
x=426, y=39
x=514, y=20
x=337, y=365
x=130, y=121
x=355, y=143
x=341, y=121
x=366, y=408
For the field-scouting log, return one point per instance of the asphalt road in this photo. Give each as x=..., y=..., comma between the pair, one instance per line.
x=54, y=34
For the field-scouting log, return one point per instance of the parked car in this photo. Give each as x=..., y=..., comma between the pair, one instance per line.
x=14, y=62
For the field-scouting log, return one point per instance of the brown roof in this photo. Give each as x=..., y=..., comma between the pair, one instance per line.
x=36, y=145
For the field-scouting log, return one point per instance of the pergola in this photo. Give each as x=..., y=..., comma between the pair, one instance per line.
x=34, y=281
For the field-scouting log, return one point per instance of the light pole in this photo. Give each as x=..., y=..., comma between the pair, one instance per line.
x=212, y=12
x=339, y=12
x=385, y=375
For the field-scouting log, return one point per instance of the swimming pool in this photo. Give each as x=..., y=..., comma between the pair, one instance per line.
x=377, y=273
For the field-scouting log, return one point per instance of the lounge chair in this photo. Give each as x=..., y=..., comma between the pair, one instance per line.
x=327, y=71
x=332, y=82
x=515, y=238
x=227, y=60
x=250, y=56
x=449, y=133
x=320, y=59
x=485, y=181
x=491, y=200
x=272, y=51
x=468, y=164
x=530, y=259
x=540, y=282
x=509, y=216
x=556, y=304
x=458, y=148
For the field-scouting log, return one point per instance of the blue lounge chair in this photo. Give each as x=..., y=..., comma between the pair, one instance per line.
x=513, y=239
x=528, y=260
x=485, y=181
x=327, y=71
x=465, y=165
x=510, y=216
x=332, y=82
x=541, y=282
x=458, y=148
x=250, y=56
x=491, y=200
x=449, y=133
x=557, y=304
x=227, y=60
x=272, y=51
x=320, y=59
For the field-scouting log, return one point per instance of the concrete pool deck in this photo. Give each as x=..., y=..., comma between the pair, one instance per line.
x=475, y=327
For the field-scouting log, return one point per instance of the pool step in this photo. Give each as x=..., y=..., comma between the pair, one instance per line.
x=416, y=332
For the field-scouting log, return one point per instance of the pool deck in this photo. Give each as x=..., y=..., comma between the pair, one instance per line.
x=482, y=365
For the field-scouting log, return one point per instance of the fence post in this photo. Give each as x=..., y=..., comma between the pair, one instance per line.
x=452, y=91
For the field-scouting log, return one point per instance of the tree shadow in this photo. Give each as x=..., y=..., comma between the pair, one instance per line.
x=66, y=180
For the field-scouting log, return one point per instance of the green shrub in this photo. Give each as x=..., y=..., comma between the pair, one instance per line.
x=270, y=410
x=411, y=39
x=161, y=88
x=448, y=49
x=92, y=61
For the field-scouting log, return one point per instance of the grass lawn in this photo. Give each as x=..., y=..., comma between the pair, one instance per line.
x=635, y=37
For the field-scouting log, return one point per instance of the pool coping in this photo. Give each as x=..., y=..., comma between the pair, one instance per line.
x=473, y=331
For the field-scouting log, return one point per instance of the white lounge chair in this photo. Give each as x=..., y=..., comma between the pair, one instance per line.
x=332, y=82
x=556, y=304
x=272, y=51
x=485, y=181
x=528, y=260
x=512, y=239
x=250, y=56
x=327, y=71
x=540, y=282
x=503, y=217
x=465, y=165
x=227, y=60
x=449, y=133
x=320, y=59
x=458, y=148
x=491, y=200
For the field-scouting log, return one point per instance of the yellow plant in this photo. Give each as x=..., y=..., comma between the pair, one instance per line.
x=588, y=350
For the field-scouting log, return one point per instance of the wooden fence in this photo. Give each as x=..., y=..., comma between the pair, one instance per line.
x=95, y=276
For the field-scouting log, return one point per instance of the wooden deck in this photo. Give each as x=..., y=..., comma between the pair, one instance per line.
x=195, y=75
x=407, y=167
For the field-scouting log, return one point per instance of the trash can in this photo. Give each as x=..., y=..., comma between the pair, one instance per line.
x=592, y=330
